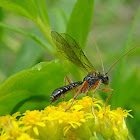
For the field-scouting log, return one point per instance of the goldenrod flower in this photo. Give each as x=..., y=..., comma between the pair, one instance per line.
x=11, y=127
x=25, y=137
x=84, y=120
x=32, y=119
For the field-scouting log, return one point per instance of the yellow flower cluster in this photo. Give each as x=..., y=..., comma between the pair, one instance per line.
x=84, y=120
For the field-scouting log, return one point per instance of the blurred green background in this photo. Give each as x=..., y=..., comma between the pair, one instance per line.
x=25, y=41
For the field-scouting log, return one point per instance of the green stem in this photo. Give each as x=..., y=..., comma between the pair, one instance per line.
x=25, y=33
x=45, y=29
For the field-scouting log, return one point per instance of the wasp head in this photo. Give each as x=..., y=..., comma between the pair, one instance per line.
x=104, y=78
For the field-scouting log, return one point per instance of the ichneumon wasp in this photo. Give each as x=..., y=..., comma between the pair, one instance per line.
x=70, y=50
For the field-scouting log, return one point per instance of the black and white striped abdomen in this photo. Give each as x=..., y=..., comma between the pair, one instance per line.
x=56, y=94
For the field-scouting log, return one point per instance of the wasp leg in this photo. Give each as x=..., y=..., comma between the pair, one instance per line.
x=72, y=93
x=97, y=87
x=70, y=81
x=64, y=97
x=107, y=90
x=82, y=89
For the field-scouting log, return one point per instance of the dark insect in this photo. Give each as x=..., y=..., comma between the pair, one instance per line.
x=68, y=48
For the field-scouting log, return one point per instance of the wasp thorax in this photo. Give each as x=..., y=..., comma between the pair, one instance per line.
x=91, y=79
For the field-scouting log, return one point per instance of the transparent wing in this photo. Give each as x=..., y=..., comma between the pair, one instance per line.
x=68, y=48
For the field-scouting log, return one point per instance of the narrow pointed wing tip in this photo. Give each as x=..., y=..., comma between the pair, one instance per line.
x=54, y=35
x=52, y=32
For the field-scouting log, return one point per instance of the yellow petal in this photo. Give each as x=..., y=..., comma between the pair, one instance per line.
x=65, y=130
x=35, y=129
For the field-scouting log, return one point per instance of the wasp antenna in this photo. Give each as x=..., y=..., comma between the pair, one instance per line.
x=95, y=42
x=121, y=58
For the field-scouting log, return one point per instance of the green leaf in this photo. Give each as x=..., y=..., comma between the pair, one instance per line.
x=24, y=8
x=33, y=85
x=126, y=82
x=29, y=54
x=80, y=21
x=32, y=9
x=129, y=99
x=32, y=36
x=122, y=67
x=1, y=18
x=129, y=90
x=42, y=11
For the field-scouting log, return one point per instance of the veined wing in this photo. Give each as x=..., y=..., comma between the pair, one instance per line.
x=68, y=48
